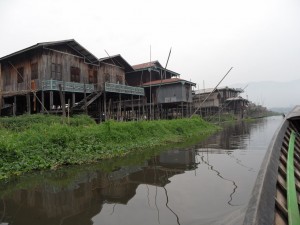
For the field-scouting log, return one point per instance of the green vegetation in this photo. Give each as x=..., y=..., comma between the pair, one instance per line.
x=40, y=142
x=223, y=117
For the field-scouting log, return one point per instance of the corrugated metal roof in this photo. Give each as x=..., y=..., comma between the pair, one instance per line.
x=147, y=65
x=70, y=42
x=117, y=59
x=153, y=64
x=208, y=90
x=167, y=81
x=239, y=98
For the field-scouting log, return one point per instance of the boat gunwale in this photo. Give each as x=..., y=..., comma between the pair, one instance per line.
x=259, y=211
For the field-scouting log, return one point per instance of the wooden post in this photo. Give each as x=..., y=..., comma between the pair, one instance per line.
x=144, y=99
x=28, y=103
x=69, y=111
x=132, y=109
x=51, y=100
x=0, y=102
x=109, y=108
x=104, y=104
x=34, y=101
x=100, y=109
x=124, y=110
x=73, y=99
x=139, y=105
x=1, y=88
x=15, y=106
x=62, y=101
x=119, y=108
x=43, y=102
x=85, y=101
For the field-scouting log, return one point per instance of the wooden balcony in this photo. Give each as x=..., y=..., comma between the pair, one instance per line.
x=53, y=85
x=124, y=89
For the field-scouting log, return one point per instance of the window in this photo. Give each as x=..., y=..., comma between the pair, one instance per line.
x=7, y=77
x=56, y=71
x=119, y=79
x=75, y=74
x=20, y=75
x=93, y=76
x=107, y=77
x=34, y=71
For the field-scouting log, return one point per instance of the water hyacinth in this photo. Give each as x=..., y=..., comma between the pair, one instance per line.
x=36, y=142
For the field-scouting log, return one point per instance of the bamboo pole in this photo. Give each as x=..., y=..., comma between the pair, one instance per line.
x=1, y=88
x=43, y=101
x=62, y=101
x=212, y=90
x=85, y=100
x=104, y=103
x=28, y=103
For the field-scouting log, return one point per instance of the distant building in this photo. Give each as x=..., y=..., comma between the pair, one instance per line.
x=147, y=72
x=223, y=99
x=167, y=96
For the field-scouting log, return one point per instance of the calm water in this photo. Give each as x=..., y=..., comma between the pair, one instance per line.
x=207, y=183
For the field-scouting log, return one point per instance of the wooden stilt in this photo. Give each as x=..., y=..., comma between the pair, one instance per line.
x=144, y=99
x=51, y=100
x=15, y=106
x=69, y=102
x=181, y=109
x=73, y=99
x=62, y=101
x=34, y=102
x=119, y=108
x=109, y=108
x=132, y=109
x=1, y=101
x=139, y=109
x=104, y=104
x=1, y=87
x=85, y=100
x=28, y=103
x=100, y=109
x=43, y=102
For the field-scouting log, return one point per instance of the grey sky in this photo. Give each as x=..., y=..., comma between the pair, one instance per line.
x=259, y=38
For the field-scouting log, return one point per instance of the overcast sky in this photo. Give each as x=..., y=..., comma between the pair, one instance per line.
x=259, y=38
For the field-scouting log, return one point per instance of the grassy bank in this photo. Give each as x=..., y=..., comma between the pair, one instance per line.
x=39, y=142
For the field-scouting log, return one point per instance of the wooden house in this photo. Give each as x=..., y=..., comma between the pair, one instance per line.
x=50, y=76
x=167, y=96
x=223, y=99
x=147, y=72
x=237, y=105
x=207, y=103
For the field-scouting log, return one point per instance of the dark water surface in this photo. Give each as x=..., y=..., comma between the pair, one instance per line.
x=207, y=183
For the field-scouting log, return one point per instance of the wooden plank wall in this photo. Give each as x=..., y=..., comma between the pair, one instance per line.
x=67, y=61
x=45, y=58
x=113, y=71
x=11, y=70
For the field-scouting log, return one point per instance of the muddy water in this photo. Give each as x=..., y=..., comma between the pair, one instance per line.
x=207, y=183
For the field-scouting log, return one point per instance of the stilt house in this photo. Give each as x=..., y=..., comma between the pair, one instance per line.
x=52, y=76
x=223, y=99
x=167, y=95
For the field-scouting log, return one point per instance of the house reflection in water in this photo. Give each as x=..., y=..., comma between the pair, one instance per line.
x=57, y=200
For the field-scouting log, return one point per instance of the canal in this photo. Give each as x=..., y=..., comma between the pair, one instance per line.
x=209, y=182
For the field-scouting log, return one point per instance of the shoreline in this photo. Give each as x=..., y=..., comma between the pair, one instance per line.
x=42, y=142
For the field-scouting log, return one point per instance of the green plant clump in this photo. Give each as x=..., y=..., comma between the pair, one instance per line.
x=37, y=142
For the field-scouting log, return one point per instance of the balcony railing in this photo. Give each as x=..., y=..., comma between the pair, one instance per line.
x=124, y=89
x=53, y=85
